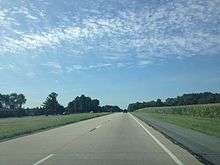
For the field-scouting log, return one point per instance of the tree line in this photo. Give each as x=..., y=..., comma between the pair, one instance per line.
x=11, y=106
x=185, y=99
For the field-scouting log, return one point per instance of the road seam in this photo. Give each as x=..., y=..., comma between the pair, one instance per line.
x=44, y=159
x=175, y=159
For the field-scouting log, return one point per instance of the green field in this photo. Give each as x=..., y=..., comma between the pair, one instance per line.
x=203, y=118
x=11, y=127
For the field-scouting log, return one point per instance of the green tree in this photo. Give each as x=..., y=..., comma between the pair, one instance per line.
x=21, y=100
x=159, y=103
x=6, y=101
x=15, y=100
x=51, y=105
x=1, y=100
x=95, y=105
x=83, y=104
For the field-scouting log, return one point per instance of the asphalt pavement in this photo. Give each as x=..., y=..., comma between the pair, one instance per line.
x=116, y=139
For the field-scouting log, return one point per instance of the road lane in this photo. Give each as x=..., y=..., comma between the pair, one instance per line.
x=112, y=139
x=29, y=149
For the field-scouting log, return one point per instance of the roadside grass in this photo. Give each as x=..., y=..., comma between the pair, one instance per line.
x=207, y=125
x=12, y=127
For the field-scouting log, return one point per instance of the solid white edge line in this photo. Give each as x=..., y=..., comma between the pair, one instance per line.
x=175, y=159
x=44, y=159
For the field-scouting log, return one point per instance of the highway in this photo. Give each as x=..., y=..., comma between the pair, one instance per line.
x=116, y=139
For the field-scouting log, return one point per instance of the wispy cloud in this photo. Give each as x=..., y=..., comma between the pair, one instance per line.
x=10, y=67
x=31, y=74
x=144, y=62
x=55, y=67
x=98, y=66
x=176, y=29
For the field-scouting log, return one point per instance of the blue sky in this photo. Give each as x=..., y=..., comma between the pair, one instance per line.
x=117, y=51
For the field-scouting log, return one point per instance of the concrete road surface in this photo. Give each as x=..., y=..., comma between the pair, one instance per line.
x=116, y=139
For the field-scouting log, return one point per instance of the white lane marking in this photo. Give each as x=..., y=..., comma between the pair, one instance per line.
x=44, y=159
x=98, y=126
x=175, y=159
x=93, y=129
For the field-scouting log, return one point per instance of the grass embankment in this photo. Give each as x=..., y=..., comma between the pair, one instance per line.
x=11, y=127
x=203, y=118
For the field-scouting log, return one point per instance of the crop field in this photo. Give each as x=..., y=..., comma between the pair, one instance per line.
x=203, y=110
x=202, y=118
x=11, y=127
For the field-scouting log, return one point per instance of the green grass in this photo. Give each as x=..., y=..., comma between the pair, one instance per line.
x=207, y=125
x=11, y=127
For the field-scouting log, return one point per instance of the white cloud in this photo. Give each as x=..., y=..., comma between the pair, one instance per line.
x=54, y=67
x=144, y=62
x=31, y=17
x=121, y=65
x=5, y=20
x=98, y=66
x=177, y=29
x=74, y=67
x=30, y=74
x=10, y=67
x=2, y=16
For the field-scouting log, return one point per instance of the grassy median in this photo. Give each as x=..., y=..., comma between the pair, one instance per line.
x=207, y=125
x=11, y=127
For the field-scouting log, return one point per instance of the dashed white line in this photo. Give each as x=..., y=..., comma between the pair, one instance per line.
x=175, y=159
x=44, y=159
x=98, y=126
x=93, y=129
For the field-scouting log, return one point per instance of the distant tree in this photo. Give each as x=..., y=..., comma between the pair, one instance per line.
x=217, y=98
x=51, y=105
x=95, y=105
x=86, y=104
x=61, y=109
x=13, y=100
x=111, y=108
x=11, y=104
x=5, y=101
x=21, y=100
x=159, y=103
x=1, y=106
x=83, y=104
x=170, y=101
x=35, y=111
x=185, y=99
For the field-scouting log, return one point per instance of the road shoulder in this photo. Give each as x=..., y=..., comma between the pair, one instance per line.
x=183, y=155
x=202, y=146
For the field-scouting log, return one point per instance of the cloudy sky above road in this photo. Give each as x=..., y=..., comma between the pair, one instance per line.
x=118, y=51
